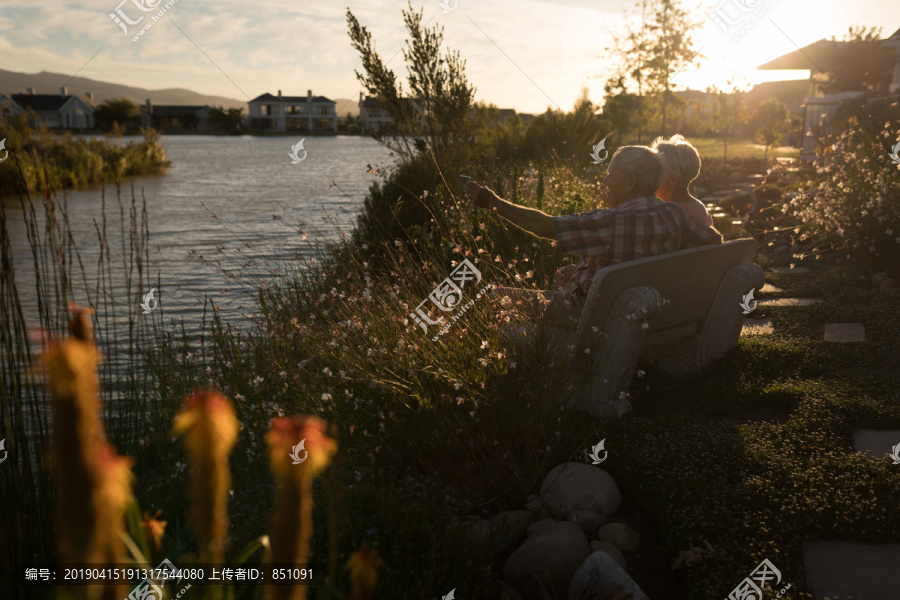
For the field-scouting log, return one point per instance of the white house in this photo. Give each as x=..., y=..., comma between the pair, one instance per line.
x=820, y=108
x=292, y=113
x=53, y=110
x=372, y=118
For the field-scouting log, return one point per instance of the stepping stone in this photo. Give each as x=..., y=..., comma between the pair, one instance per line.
x=845, y=332
x=841, y=569
x=770, y=289
x=757, y=326
x=790, y=301
x=788, y=270
x=878, y=442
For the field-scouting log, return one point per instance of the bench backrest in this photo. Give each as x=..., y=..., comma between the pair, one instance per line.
x=688, y=278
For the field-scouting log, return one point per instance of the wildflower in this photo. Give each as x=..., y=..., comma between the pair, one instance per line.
x=327, y=371
x=153, y=530
x=641, y=373
x=210, y=429
x=326, y=397
x=587, y=350
x=484, y=344
x=645, y=326
x=363, y=565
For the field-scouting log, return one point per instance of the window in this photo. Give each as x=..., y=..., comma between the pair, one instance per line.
x=265, y=110
x=323, y=110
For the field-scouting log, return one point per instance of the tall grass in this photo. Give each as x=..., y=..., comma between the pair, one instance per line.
x=56, y=274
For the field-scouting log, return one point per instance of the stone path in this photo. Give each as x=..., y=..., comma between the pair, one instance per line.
x=790, y=301
x=842, y=569
x=789, y=270
x=845, y=332
x=877, y=442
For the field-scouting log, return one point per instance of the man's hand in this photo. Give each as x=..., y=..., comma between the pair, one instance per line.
x=480, y=196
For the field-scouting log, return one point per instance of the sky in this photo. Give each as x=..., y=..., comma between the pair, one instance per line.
x=522, y=54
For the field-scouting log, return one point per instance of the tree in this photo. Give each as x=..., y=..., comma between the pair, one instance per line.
x=226, y=120
x=434, y=117
x=116, y=110
x=770, y=120
x=860, y=63
x=648, y=56
x=728, y=108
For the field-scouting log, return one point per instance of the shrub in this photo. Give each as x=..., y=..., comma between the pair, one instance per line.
x=855, y=204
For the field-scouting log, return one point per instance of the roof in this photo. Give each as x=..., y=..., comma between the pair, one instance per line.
x=174, y=110
x=815, y=57
x=267, y=97
x=40, y=101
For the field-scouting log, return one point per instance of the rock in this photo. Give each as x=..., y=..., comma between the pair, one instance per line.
x=782, y=249
x=559, y=548
x=573, y=486
x=621, y=535
x=877, y=278
x=588, y=520
x=888, y=286
x=532, y=502
x=600, y=577
x=615, y=553
x=538, y=526
x=510, y=526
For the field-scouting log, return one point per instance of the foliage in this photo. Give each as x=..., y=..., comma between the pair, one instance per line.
x=853, y=205
x=226, y=120
x=434, y=117
x=729, y=109
x=39, y=160
x=769, y=120
x=115, y=110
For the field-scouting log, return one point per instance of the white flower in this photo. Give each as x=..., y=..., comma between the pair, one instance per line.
x=587, y=350
x=326, y=397
x=645, y=326
x=327, y=371
x=484, y=344
x=513, y=365
x=641, y=373
x=365, y=246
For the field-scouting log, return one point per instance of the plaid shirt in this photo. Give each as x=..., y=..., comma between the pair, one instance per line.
x=637, y=228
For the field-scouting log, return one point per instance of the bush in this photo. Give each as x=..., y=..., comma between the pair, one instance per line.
x=855, y=205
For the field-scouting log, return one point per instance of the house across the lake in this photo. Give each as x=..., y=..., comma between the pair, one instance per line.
x=56, y=111
x=169, y=117
x=292, y=113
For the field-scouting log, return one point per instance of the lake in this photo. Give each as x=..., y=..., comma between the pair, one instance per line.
x=222, y=192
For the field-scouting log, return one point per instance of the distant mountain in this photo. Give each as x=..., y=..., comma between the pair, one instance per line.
x=12, y=82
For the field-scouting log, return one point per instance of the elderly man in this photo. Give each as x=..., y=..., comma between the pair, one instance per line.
x=636, y=226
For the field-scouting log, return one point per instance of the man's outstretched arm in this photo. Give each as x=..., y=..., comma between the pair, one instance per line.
x=529, y=219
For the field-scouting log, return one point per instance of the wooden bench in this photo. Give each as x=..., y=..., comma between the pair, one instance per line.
x=681, y=310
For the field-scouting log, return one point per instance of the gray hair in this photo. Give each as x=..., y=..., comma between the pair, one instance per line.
x=643, y=162
x=680, y=159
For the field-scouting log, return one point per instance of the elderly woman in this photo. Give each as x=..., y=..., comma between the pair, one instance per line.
x=681, y=165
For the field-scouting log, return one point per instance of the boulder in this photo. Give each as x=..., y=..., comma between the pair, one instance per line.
x=888, y=286
x=510, y=526
x=574, y=486
x=558, y=548
x=610, y=549
x=588, y=520
x=539, y=525
x=623, y=536
x=600, y=578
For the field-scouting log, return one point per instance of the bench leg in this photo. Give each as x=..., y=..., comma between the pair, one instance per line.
x=723, y=325
x=601, y=378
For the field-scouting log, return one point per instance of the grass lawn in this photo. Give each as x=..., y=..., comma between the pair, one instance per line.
x=712, y=149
